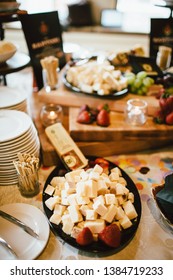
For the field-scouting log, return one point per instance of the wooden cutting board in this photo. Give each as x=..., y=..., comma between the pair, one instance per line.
x=118, y=129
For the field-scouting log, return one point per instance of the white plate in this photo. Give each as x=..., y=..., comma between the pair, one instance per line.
x=13, y=124
x=25, y=246
x=10, y=97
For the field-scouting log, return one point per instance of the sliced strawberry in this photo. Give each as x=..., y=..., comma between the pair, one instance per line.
x=84, y=117
x=103, y=118
x=111, y=235
x=85, y=237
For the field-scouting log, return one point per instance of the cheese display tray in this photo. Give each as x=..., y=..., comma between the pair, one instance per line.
x=98, y=248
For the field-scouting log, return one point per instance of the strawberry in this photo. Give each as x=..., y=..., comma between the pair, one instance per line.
x=111, y=235
x=169, y=118
x=166, y=103
x=85, y=237
x=103, y=118
x=84, y=117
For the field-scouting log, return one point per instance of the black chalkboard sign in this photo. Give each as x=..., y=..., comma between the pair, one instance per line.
x=161, y=34
x=43, y=36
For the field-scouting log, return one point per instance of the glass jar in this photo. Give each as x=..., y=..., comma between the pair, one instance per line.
x=163, y=59
x=50, y=114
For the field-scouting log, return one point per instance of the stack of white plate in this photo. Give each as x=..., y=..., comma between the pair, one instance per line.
x=17, y=134
x=13, y=99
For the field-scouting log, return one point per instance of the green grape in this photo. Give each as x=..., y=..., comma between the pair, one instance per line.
x=140, y=92
x=137, y=83
x=141, y=75
x=144, y=89
x=148, y=81
x=130, y=80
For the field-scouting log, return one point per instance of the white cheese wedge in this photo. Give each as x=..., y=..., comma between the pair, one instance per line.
x=125, y=222
x=52, y=201
x=95, y=226
x=97, y=168
x=110, y=214
x=49, y=189
x=75, y=214
x=100, y=208
x=130, y=210
x=67, y=224
x=55, y=219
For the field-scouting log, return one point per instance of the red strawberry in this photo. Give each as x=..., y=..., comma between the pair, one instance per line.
x=84, y=117
x=103, y=118
x=111, y=235
x=169, y=119
x=85, y=237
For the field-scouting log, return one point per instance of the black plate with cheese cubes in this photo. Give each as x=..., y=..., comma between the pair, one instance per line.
x=94, y=78
x=94, y=197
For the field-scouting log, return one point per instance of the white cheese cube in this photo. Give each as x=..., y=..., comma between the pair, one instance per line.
x=130, y=210
x=70, y=185
x=126, y=190
x=59, y=209
x=120, y=213
x=81, y=188
x=83, y=208
x=82, y=200
x=75, y=214
x=95, y=226
x=55, y=219
x=57, y=192
x=75, y=231
x=122, y=181
x=105, y=178
x=110, y=214
x=125, y=222
x=71, y=176
x=92, y=188
x=119, y=189
x=64, y=200
x=97, y=168
x=114, y=177
x=120, y=199
x=56, y=180
x=71, y=198
x=52, y=201
x=67, y=224
x=84, y=175
x=110, y=198
x=131, y=197
x=100, y=198
x=102, y=187
x=94, y=176
x=116, y=170
x=91, y=214
x=100, y=208
x=49, y=189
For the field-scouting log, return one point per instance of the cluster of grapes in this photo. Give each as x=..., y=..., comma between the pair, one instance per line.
x=139, y=83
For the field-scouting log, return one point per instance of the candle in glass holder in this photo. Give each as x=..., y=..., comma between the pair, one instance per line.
x=50, y=114
x=136, y=112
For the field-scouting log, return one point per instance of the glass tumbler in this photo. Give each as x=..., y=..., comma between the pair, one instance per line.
x=50, y=114
x=136, y=112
